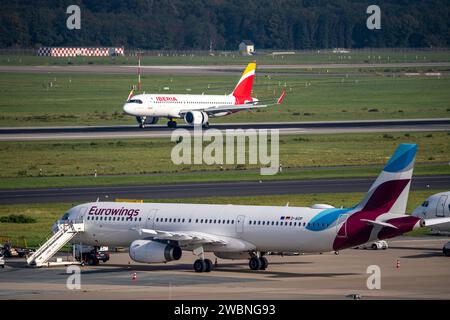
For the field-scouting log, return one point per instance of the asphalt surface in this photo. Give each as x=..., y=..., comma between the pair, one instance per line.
x=205, y=69
x=316, y=127
x=195, y=190
x=423, y=273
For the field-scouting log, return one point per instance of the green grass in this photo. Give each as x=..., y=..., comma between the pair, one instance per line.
x=47, y=214
x=30, y=99
x=141, y=161
x=302, y=57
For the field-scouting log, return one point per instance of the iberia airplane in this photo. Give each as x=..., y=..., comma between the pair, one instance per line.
x=160, y=232
x=195, y=109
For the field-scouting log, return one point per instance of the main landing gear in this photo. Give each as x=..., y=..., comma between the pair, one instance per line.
x=202, y=264
x=171, y=124
x=258, y=262
x=205, y=265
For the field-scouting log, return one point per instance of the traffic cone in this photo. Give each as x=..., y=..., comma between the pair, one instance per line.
x=398, y=264
x=134, y=277
x=129, y=265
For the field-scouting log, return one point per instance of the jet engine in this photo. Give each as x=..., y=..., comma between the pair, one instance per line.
x=148, y=251
x=196, y=118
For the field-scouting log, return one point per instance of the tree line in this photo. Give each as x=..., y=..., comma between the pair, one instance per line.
x=195, y=24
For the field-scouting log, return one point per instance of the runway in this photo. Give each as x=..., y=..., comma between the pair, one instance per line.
x=423, y=274
x=159, y=131
x=206, y=69
x=195, y=190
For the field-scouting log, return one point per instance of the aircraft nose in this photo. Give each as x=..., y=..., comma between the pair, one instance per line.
x=418, y=212
x=128, y=109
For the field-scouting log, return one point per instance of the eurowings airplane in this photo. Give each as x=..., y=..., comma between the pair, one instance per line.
x=160, y=232
x=195, y=109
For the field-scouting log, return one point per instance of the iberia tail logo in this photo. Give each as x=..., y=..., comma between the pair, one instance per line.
x=243, y=90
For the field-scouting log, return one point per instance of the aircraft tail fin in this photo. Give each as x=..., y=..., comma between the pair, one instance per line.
x=243, y=89
x=389, y=192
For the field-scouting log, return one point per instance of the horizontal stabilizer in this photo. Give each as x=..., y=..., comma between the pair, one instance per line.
x=379, y=223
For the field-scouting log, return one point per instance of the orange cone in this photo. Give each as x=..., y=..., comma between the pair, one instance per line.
x=398, y=264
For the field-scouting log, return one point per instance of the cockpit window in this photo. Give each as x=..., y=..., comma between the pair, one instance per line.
x=65, y=216
x=425, y=204
x=135, y=101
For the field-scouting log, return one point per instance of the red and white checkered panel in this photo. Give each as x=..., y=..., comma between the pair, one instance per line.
x=84, y=52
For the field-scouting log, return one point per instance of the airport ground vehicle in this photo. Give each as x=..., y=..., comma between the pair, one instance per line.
x=9, y=251
x=376, y=245
x=92, y=257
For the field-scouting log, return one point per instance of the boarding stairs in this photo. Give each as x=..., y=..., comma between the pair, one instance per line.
x=66, y=231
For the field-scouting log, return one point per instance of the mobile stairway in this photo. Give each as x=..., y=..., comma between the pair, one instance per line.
x=65, y=232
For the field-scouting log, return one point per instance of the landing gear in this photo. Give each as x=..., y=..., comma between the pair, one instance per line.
x=171, y=124
x=206, y=125
x=142, y=122
x=258, y=263
x=203, y=265
x=199, y=265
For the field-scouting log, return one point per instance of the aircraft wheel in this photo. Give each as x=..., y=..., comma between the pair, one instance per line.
x=264, y=263
x=199, y=265
x=209, y=265
x=172, y=124
x=254, y=263
x=206, y=125
x=446, y=252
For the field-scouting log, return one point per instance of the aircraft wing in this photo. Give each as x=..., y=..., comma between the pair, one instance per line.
x=187, y=237
x=435, y=221
x=238, y=107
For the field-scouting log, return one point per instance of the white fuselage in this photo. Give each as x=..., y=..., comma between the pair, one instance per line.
x=262, y=228
x=170, y=106
x=436, y=206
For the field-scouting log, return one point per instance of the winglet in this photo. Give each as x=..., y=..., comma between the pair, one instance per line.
x=280, y=99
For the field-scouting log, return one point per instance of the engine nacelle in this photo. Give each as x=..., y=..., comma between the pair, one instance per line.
x=196, y=118
x=232, y=255
x=148, y=251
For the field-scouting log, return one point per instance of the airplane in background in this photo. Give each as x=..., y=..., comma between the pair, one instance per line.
x=195, y=109
x=436, y=206
x=160, y=232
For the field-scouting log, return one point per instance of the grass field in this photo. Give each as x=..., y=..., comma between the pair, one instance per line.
x=149, y=160
x=94, y=99
x=47, y=214
x=226, y=58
